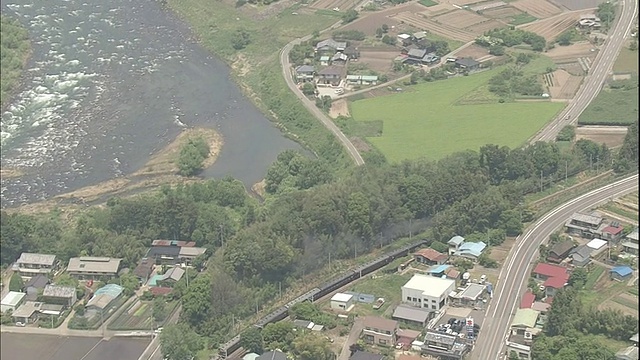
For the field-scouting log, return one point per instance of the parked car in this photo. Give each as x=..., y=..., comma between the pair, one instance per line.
x=21, y=324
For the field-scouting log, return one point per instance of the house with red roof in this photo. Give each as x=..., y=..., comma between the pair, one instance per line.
x=554, y=277
x=527, y=300
x=430, y=256
x=613, y=232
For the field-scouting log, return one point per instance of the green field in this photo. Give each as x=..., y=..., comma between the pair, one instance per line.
x=385, y=286
x=612, y=107
x=626, y=62
x=522, y=18
x=426, y=122
x=139, y=318
x=428, y=3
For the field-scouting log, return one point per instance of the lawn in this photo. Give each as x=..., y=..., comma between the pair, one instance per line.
x=522, y=18
x=612, y=107
x=626, y=62
x=381, y=285
x=428, y=3
x=427, y=122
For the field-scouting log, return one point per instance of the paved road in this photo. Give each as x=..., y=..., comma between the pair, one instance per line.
x=354, y=335
x=598, y=73
x=514, y=274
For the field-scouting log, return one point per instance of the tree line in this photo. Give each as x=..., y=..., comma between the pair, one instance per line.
x=14, y=48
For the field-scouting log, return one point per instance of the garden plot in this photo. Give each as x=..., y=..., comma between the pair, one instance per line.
x=343, y=5
x=483, y=27
x=552, y=27
x=538, y=8
x=572, y=52
x=377, y=60
x=562, y=85
x=443, y=30
x=625, y=302
x=373, y=21
x=459, y=19
x=503, y=12
x=488, y=6
x=473, y=51
x=437, y=9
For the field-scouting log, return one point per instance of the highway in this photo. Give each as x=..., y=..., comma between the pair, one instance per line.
x=598, y=73
x=514, y=274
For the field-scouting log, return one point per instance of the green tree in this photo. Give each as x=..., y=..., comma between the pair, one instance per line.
x=16, y=283
x=324, y=102
x=311, y=346
x=389, y=40
x=514, y=355
x=349, y=16
x=179, y=342
x=79, y=309
x=385, y=28
x=308, y=89
x=578, y=278
x=279, y=335
x=566, y=37
x=497, y=50
x=414, y=77
x=192, y=156
x=159, y=311
x=379, y=33
x=240, y=39
x=251, y=340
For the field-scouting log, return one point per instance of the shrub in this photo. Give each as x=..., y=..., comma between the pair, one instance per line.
x=568, y=133
x=192, y=156
x=349, y=16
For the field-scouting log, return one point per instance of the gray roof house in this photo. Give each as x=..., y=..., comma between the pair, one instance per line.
x=467, y=63
x=272, y=355
x=331, y=75
x=173, y=274
x=30, y=264
x=35, y=284
x=581, y=255
x=305, y=69
x=417, y=53
x=364, y=355
x=454, y=244
x=63, y=295
x=331, y=45
x=339, y=58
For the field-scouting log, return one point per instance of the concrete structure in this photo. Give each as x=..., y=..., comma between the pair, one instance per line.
x=27, y=313
x=427, y=292
x=411, y=315
x=454, y=244
x=11, y=301
x=62, y=295
x=93, y=267
x=30, y=264
x=343, y=302
x=470, y=295
x=379, y=331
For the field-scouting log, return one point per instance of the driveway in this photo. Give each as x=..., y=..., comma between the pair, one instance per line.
x=354, y=335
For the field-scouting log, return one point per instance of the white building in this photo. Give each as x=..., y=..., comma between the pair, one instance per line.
x=30, y=264
x=342, y=302
x=428, y=292
x=11, y=301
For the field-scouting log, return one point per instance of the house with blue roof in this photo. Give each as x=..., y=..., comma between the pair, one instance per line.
x=438, y=270
x=621, y=273
x=470, y=250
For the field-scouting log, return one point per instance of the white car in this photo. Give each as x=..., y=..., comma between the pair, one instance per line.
x=158, y=330
x=21, y=324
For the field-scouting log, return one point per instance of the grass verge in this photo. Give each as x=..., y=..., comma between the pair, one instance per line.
x=612, y=107
x=627, y=61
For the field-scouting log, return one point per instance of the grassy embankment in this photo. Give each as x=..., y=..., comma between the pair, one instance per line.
x=616, y=106
x=14, y=42
x=435, y=119
x=257, y=67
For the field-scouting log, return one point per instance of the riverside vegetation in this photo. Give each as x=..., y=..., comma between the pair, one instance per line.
x=309, y=214
x=14, y=51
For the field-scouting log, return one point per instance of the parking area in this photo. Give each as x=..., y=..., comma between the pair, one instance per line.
x=47, y=347
x=331, y=91
x=453, y=321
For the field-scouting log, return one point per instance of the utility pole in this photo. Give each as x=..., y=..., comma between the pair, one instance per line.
x=279, y=289
x=329, y=260
x=256, y=306
x=221, y=235
x=102, y=321
x=186, y=272
x=591, y=162
x=540, y=180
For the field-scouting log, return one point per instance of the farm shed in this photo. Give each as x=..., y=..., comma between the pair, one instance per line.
x=342, y=302
x=11, y=301
x=621, y=273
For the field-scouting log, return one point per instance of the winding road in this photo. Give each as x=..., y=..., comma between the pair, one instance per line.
x=514, y=274
x=598, y=73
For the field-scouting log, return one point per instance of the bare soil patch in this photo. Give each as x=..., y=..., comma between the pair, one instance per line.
x=579, y=4
x=372, y=21
x=436, y=10
x=612, y=136
x=572, y=68
x=443, y=30
x=485, y=26
x=473, y=51
x=343, y=5
x=460, y=19
x=259, y=188
x=552, y=27
x=538, y=8
x=570, y=87
x=502, y=12
x=571, y=52
x=610, y=304
x=338, y=108
x=379, y=61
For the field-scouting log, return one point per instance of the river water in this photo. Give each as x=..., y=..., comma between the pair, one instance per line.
x=109, y=83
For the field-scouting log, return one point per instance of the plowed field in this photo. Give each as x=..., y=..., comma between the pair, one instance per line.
x=443, y=30
x=483, y=27
x=459, y=19
x=538, y=8
x=343, y=5
x=551, y=28
x=436, y=9
x=503, y=12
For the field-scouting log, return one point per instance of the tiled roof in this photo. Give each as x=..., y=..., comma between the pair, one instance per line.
x=549, y=270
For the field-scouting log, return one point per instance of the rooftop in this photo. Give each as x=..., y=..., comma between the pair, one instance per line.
x=556, y=282
x=39, y=282
x=339, y=56
x=452, y=273
x=456, y=240
x=175, y=273
x=581, y=252
x=93, y=265
x=467, y=62
x=332, y=44
x=27, y=309
x=250, y=356
x=364, y=355
x=144, y=268
x=13, y=298
x=431, y=254
x=112, y=290
x=305, y=69
x=439, y=269
x=59, y=291
x=380, y=323
x=596, y=243
x=417, y=53
x=440, y=338
x=407, y=333
x=561, y=248
x=37, y=259
x=526, y=318
x=341, y=297
x=411, y=313
x=630, y=353
x=176, y=243
x=549, y=270
x=272, y=355
x=633, y=235
x=473, y=291
x=100, y=301
x=429, y=285
x=404, y=36
x=634, y=338
x=540, y=306
x=471, y=248
x=527, y=300
x=589, y=219
x=160, y=291
x=158, y=251
x=622, y=270
x=331, y=70
x=613, y=230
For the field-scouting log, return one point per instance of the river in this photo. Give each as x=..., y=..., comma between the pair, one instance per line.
x=108, y=84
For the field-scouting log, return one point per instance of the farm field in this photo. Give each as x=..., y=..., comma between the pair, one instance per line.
x=420, y=123
x=460, y=18
x=612, y=136
x=443, y=30
x=343, y=5
x=538, y=8
x=571, y=52
x=487, y=6
x=626, y=62
x=612, y=107
x=379, y=61
x=602, y=292
x=137, y=317
x=552, y=27
x=371, y=22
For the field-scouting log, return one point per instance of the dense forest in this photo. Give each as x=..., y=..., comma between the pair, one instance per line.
x=14, y=49
x=308, y=215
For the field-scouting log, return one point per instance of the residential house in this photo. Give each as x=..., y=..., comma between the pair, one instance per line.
x=305, y=73
x=272, y=355
x=454, y=244
x=11, y=301
x=444, y=346
x=171, y=277
x=362, y=79
x=30, y=264
x=160, y=291
x=365, y=355
x=621, y=273
x=560, y=251
x=188, y=254
x=628, y=353
x=144, y=269
x=415, y=56
x=467, y=64
x=331, y=75
x=452, y=273
x=554, y=277
x=581, y=256
x=411, y=315
x=324, y=60
x=597, y=247
x=427, y=292
x=527, y=300
x=612, y=233
x=430, y=256
x=523, y=328
x=93, y=267
x=27, y=313
x=439, y=270
x=343, y=302
x=470, y=250
x=171, y=252
x=52, y=309
x=308, y=325
x=554, y=284
x=352, y=53
x=339, y=59
x=34, y=286
x=104, y=297
x=62, y=295
x=379, y=331
x=541, y=307
x=419, y=36
x=430, y=58
x=583, y=225
x=630, y=243
x=406, y=337
x=404, y=39
x=330, y=46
